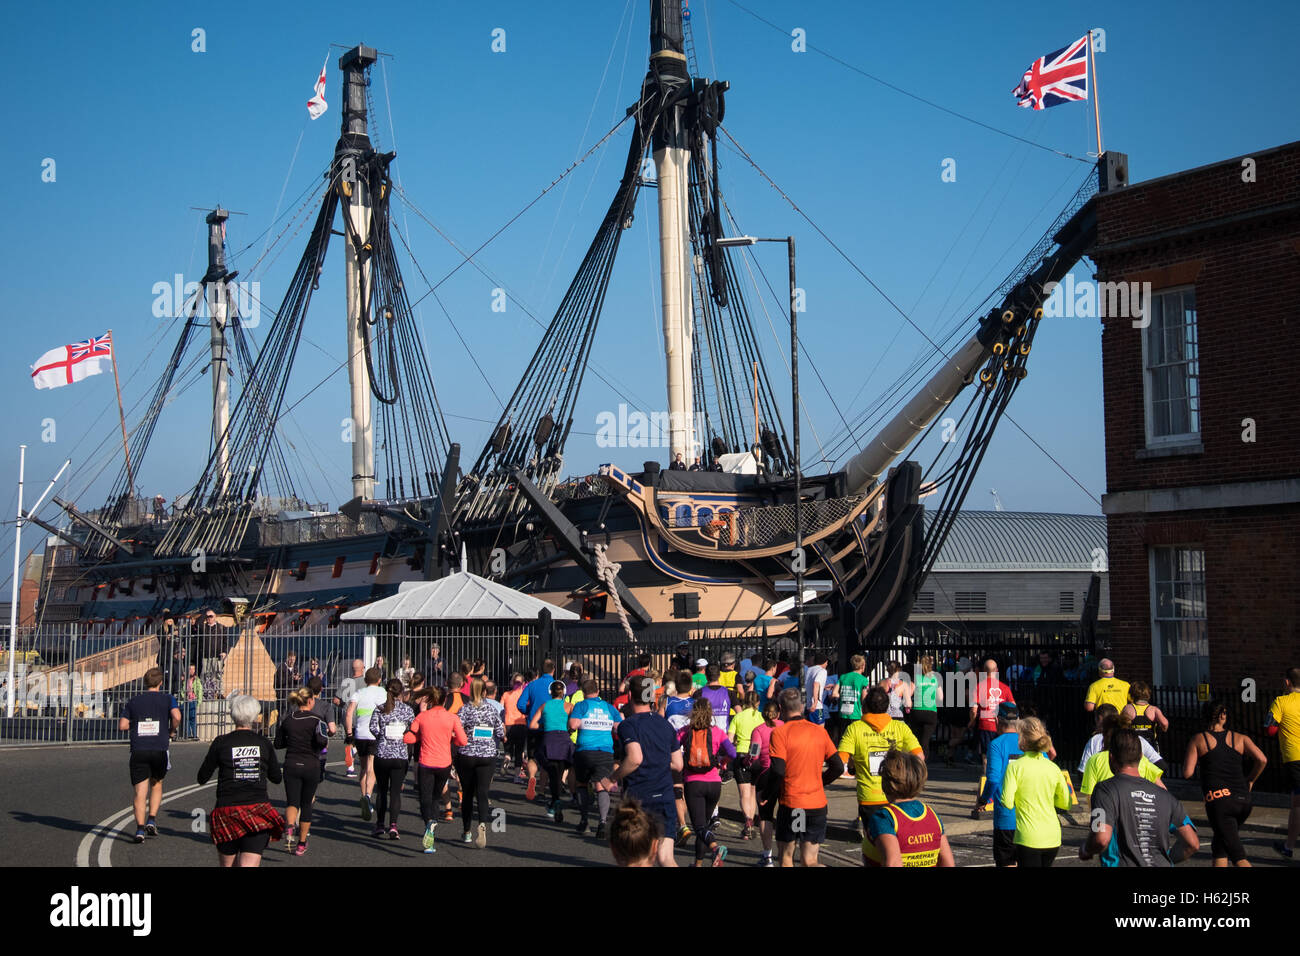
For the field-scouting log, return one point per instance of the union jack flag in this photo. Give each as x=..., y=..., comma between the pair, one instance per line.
x=1060, y=77
x=103, y=345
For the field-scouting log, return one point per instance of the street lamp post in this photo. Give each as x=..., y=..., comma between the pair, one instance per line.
x=794, y=395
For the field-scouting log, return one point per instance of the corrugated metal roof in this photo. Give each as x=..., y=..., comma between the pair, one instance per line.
x=457, y=597
x=1021, y=541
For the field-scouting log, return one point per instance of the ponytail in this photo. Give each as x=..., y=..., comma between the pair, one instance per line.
x=395, y=690
x=300, y=697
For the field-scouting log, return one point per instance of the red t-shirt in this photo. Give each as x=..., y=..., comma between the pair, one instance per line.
x=988, y=696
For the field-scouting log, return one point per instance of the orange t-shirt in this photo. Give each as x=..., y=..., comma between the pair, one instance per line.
x=511, y=701
x=435, y=730
x=804, y=747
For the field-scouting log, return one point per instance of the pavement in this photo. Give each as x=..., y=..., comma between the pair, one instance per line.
x=68, y=806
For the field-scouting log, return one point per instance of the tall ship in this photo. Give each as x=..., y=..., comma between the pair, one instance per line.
x=746, y=542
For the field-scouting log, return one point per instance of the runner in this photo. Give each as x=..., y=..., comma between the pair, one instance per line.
x=990, y=692
x=866, y=742
x=152, y=718
x=699, y=678
x=1142, y=716
x=596, y=722
x=552, y=721
x=536, y=693
x=1098, y=769
x=325, y=711
x=927, y=698
x=635, y=835
x=388, y=724
x=516, y=730
x=1220, y=753
x=742, y=729
x=301, y=735
x=1004, y=748
x=1105, y=715
x=242, y=822
x=677, y=710
x=1284, y=723
x=763, y=680
x=348, y=688
x=704, y=745
x=435, y=729
x=1133, y=819
x=814, y=683
x=1107, y=689
x=362, y=706
x=803, y=762
x=651, y=753
x=1035, y=789
x=476, y=759
x=728, y=673
x=899, y=691
x=906, y=831
x=719, y=697
x=846, y=698
x=760, y=752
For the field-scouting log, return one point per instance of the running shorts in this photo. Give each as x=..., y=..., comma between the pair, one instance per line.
x=251, y=843
x=593, y=764
x=742, y=769
x=516, y=740
x=794, y=824
x=1004, y=847
x=766, y=811
x=148, y=765
x=1291, y=774
x=365, y=748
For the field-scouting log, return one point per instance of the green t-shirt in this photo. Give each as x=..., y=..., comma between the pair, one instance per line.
x=853, y=687
x=926, y=695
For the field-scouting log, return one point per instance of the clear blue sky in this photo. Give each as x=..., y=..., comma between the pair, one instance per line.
x=142, y=128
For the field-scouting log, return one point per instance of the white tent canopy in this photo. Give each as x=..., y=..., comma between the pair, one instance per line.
x=458, y=597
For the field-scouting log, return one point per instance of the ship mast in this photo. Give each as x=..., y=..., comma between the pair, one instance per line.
x=214, y=287
x=668, y=74
x=352, y=152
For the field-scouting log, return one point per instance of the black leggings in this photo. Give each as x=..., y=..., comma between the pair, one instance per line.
x=1226, y=814
x=475, y=780
x=701, y=797
x=923, y=723
x=300, y=783
x=432, y=781
x=555, y=773
x=1029, y=858
x=389, y=775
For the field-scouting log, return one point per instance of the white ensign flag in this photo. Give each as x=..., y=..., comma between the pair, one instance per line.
x=72, y=363
x=317, y=105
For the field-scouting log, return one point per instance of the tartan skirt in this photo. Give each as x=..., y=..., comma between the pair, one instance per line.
x=232, y=823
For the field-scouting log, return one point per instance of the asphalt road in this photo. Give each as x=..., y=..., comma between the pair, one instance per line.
x=67, y=806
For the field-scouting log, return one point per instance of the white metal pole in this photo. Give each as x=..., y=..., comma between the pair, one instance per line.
x=13, y=609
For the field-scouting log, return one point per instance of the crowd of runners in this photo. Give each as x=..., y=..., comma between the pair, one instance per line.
x=644, y=771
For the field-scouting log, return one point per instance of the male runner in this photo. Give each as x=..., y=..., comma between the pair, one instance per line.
x=536, y=693
x=152, y=718
x=727, y=676
x=867, y=741
x=1004, y=748
x=803, y=762
x=1284, y=723
x=990, y=693
x=651, y=754
x=348, y=688
x=595, y=721
x=357, y=725
x=1107, y=689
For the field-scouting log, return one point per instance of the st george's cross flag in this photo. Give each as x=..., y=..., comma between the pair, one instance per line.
x=317, y=105
x=1060, y=77
x=72, y=363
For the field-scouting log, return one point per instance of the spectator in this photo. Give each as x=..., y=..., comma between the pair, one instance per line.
x=678, y=463
x=696, y=465
x=287, y=679
x=435, y=671
x=1047, y=671
x=191, y=697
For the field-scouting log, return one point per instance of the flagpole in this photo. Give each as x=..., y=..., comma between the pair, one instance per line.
x=1096, y=93
x=13, y=607
x=126, y=448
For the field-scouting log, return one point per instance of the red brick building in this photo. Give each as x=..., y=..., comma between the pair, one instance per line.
x=1202, y=416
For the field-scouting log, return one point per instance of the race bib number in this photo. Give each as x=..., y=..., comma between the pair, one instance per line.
x=597, y=724
x=874, y=759
x=846, y=708
x=482, y=733
x=394, y=730
x=147, y=728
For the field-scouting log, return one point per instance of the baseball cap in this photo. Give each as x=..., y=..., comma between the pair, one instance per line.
x=728, y=658
x=701, y=663
x=1008, y=711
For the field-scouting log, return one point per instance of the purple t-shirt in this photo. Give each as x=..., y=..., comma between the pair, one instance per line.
x=720, y=700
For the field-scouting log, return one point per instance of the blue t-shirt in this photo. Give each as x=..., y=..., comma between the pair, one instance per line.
x=761, y=681
x=150, y=714
x=598, y=717
x=678, y=711
x=554, y=716
x=536, y=693
x=1003, y=749
x=652, y=781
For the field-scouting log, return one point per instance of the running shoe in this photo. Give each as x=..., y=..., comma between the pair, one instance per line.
x=766, y=860
x=467, y=837
x=480, y=836
x=559, y=814
x=151, y=828
x=392, y=833
x=719, y=855
x=448, y=816
x=1279, y=846
x=367, y=808
x=352, y=772
x=139, y=835
x=427, y=841
x=601, y=833
x=550, y=810
x=430, y=849
x=290, y=837
x=581, y=828
x=300, y=849
x=684, y=833
x=522, y=776
x=379, y=833
x=747, y=833
x=531, y=792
